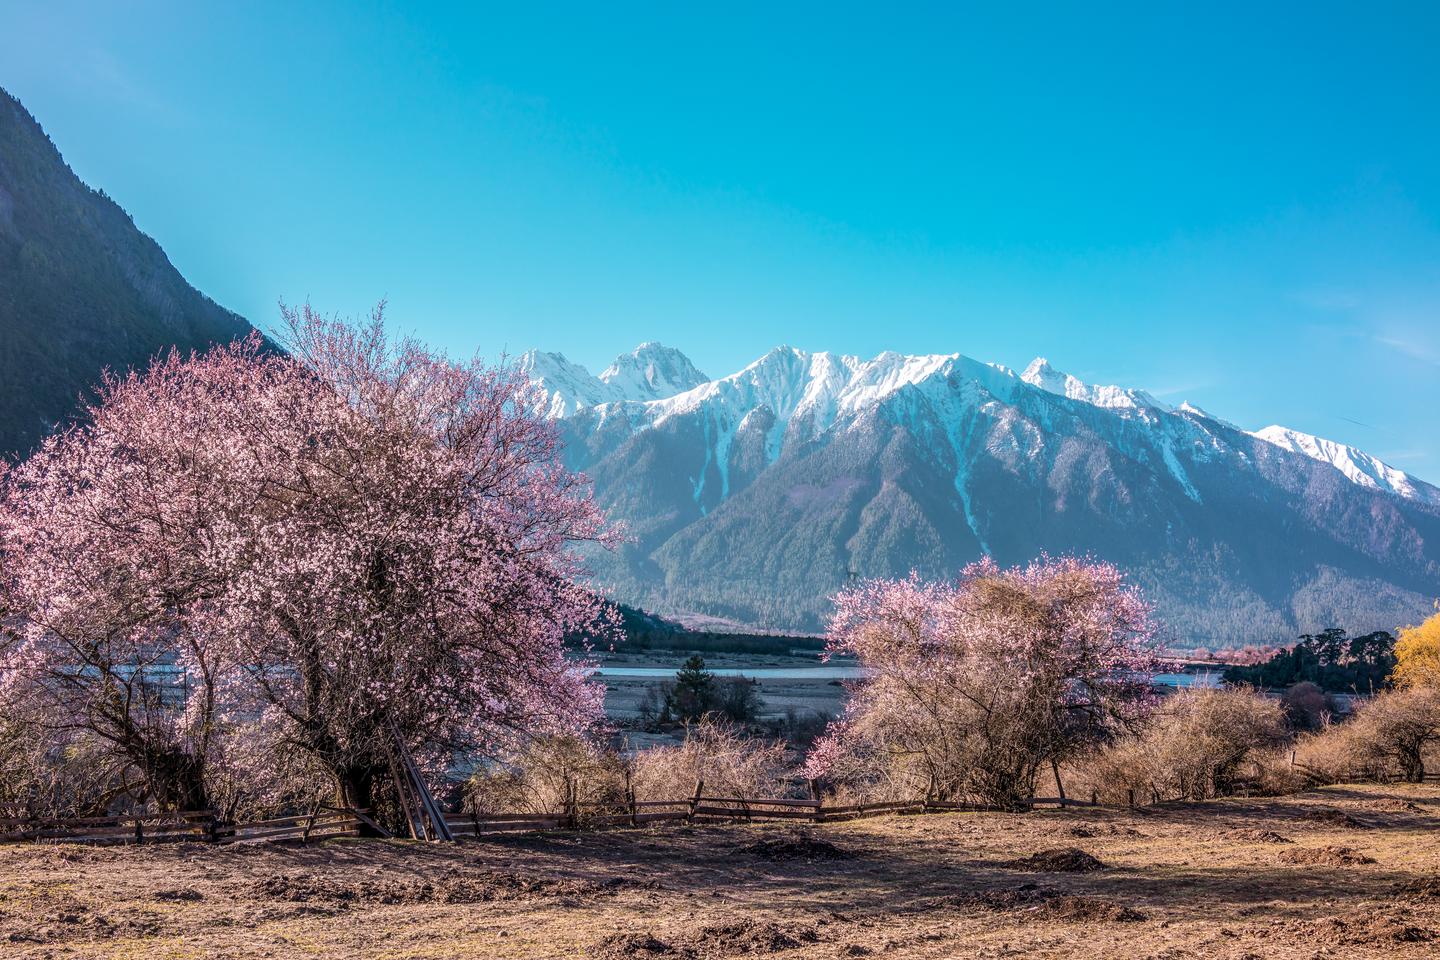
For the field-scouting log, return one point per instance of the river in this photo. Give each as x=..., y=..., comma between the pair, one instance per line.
x=851, y=672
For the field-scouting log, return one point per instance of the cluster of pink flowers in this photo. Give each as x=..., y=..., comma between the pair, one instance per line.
x=355, y=537
x=973, y=684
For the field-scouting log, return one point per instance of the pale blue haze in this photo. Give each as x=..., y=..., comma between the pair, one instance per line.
x=1237, y=205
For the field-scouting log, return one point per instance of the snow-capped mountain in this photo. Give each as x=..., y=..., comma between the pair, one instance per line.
x=649, y=372
x=1357, y=465
x=755, y=495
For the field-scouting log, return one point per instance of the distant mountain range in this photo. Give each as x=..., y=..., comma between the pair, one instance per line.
x=81, y=288
x=755, y=496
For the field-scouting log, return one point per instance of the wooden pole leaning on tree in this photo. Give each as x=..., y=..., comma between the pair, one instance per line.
x=430, y=818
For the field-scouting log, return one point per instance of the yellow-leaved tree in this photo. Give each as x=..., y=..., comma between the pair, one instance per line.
x=1417, y=655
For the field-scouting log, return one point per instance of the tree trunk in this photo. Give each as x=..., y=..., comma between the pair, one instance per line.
x=355, y=787
x=1413, y=765
x=177, y=781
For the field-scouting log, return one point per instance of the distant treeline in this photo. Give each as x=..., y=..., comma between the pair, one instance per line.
x=1331, y=659
x=648, y=631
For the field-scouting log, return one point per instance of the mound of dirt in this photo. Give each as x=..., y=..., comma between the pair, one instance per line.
x=1089, y=909
x=741, y=937
x=1426, y=888
x=1363, y=929
x=454, y=886
x=178, y=895
x=798, y=846
x=1046, y=904
x=1257, y=836
x=1333, y=818
x=749, y=937
x=1325, y=856
x=1057, y=860
x=629, y=946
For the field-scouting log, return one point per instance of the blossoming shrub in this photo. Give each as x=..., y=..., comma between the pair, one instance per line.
x=974, y=686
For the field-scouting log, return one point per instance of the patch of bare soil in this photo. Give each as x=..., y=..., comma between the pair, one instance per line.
x=67, y=918
x=454, y=886
x=178, y=895
x=913, y=888
x=1389, y=805
x=798, y=846
x=1057, y=860
x=1257, y=836
x=1089, y=830
x=742, y=937
x=1332, y=856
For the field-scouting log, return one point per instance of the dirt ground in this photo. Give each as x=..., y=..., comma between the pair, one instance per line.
x=1341, y=872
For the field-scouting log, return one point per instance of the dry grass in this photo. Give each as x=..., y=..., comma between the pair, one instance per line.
x=1199, y=880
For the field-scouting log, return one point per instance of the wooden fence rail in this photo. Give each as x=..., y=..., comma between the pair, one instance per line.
x=325, y=822
x=195, y=825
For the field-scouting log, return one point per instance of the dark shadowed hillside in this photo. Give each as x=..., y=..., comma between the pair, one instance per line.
x=82, y=290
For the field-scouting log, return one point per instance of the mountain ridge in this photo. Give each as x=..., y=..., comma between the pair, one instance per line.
x=82, y=289
x=779, y=479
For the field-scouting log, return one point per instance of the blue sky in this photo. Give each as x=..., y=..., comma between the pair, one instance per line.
x=1237, y=205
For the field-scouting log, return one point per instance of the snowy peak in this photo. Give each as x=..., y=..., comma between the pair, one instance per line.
x=1357, y=465
x=806, y=394
x=651, y=371
x=1041, y=374
x=568, y=386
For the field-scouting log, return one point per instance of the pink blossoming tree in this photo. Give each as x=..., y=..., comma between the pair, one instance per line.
x=975, y=685
x=329, y=551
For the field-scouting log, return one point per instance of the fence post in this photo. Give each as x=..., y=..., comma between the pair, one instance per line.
x=1131, y=794
x=139, y=831
x=814, y=795
x=630, y=798
x=1094, y=797
x=695, y=800
x=572, y=802
x=309, y=824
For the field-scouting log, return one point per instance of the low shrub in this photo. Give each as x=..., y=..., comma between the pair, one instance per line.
x=549, y=775
x=1198, y=744
x=731, y=765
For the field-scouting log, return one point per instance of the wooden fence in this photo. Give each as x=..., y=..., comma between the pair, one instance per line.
x=324, y=822
x=202, y=826
x=701, y=806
